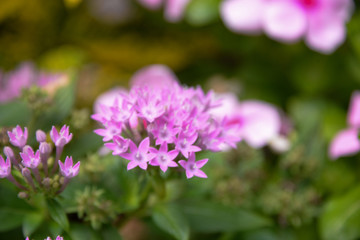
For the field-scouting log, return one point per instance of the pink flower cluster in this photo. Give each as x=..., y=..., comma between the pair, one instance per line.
x=347, y=142
x=34, y=165
x=174, y=9
x=159, y=121
x=24, y=76
x=320, y=22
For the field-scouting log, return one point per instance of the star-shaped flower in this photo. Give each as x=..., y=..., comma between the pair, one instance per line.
x=138, y=156
x=163, y=158
x=192, y=168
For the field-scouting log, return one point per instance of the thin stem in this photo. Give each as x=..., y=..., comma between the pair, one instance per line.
x=12, y=179
x=66, y=181
x=37, y=175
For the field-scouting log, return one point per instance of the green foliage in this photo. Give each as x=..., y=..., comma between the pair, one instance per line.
x=170, y=219
x=207, y=217
x=341, y=217
x=57, y=213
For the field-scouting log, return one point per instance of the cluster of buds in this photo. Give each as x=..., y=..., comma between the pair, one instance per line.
x=36, y=170
x=48, y=238
x=161, y=123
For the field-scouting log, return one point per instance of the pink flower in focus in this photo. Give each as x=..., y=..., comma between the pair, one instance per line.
x=18, y=137
x=320, y=22
x=61, y=138
x=67, y=169
x=174, y=9
x=163, y=158
x=346, y=142
x=138, y=156
x=192, y=168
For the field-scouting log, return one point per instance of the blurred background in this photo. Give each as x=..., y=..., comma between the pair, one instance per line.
x=103, y=42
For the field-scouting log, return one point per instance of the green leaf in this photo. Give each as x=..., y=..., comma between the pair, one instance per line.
x=210, y=217
x=12, y=209
x=82, y=231
x=341, y=217
x=32, y=222
x=171, y=220
x=110, y=233
x=202, y=12
x=13, y=113
x=10, y=219
x=57, y=213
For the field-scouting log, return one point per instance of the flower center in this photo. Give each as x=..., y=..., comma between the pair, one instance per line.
x=138, y=157
x=162, y=158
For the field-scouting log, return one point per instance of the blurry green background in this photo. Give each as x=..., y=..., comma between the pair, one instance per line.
x=305, y=194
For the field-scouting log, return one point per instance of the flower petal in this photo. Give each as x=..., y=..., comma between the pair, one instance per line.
x=346, y=142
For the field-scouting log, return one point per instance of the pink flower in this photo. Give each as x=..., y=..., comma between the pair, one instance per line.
x=174, y=9
x=60, y=138
x=5, y=167
x=67, y=169
x=184, y=144
x=163, y=158
x=18, y=137
x=138, y=156
x=167, y=114
x=346, y=142
x=29, y=158
x=320, y=22
x=119, y=146
x=192, y=168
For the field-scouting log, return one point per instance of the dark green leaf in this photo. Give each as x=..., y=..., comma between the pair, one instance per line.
x=31, y=222
x=57, y=213
x=210, y=217
x=110, y=233
x=171, y=220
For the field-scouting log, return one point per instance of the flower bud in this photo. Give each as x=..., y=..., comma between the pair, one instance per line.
x=23, y=195
x=45, y=148
x=40, y=136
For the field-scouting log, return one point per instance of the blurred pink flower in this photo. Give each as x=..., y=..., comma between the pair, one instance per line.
x=12, y=83
x=254, y=121
x=346, y=142
x=320, y=22
x=173, y=9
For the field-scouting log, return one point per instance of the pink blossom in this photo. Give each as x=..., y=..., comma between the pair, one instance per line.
x=184, y=144
x=29, y=158
x=320, y=22
x=68, y=170
x=119, y=146
x=163, y=158
x=346, y=142
x=138, y=156
x=18, y=137
x=192, y=168
x=5, y=167
x=61, y=138
x=176, y=117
